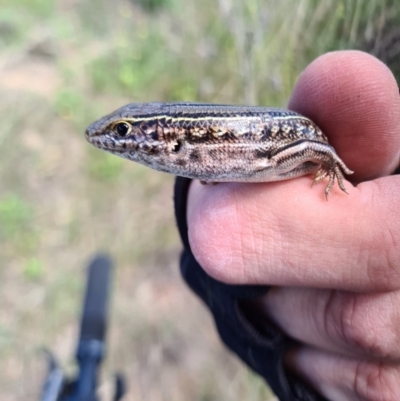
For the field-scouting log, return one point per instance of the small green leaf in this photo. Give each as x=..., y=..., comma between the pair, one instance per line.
x=34, y=269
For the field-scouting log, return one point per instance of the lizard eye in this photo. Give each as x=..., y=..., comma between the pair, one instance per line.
x=123, y=129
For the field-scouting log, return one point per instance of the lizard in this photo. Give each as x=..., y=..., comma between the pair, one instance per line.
x=220, y=143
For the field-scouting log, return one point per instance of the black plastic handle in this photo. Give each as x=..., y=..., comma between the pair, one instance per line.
x=95, y=311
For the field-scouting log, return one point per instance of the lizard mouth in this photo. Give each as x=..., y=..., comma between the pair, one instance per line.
x=93, y=136
x=99, y=141
x=107, y=142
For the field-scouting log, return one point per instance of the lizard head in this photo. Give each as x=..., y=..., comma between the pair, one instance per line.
x=132, y=132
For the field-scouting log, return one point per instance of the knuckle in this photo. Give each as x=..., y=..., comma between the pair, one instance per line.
x=377, y=382
x=357, y=333
x=357, y=324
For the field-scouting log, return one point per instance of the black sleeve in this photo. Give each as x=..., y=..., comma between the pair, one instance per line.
x=262, y=346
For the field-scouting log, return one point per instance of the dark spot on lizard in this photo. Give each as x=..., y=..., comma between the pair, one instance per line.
x=262, y=154
x=145, y=125
x=145, y=147
x=181, y=162
x=195, y=155
x=195, y=139
x=214, y=154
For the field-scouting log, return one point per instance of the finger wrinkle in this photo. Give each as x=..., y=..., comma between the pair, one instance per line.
x=342, y=378
x=376, y=381
x=329, y=317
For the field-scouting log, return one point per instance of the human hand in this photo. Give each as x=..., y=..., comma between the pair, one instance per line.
x=335, y=266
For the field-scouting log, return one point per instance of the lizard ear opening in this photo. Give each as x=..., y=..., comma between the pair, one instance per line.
x=177, y=147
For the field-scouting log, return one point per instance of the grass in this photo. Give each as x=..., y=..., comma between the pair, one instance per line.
x=64, y=64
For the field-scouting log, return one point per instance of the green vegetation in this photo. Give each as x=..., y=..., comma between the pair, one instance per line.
x=15, y=215
x=64, y=64
x=105, y=167
x=17, y=233
x=69, y=104
x=34, y=269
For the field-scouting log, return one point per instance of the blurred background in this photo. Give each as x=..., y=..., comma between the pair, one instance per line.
x=65, y=63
